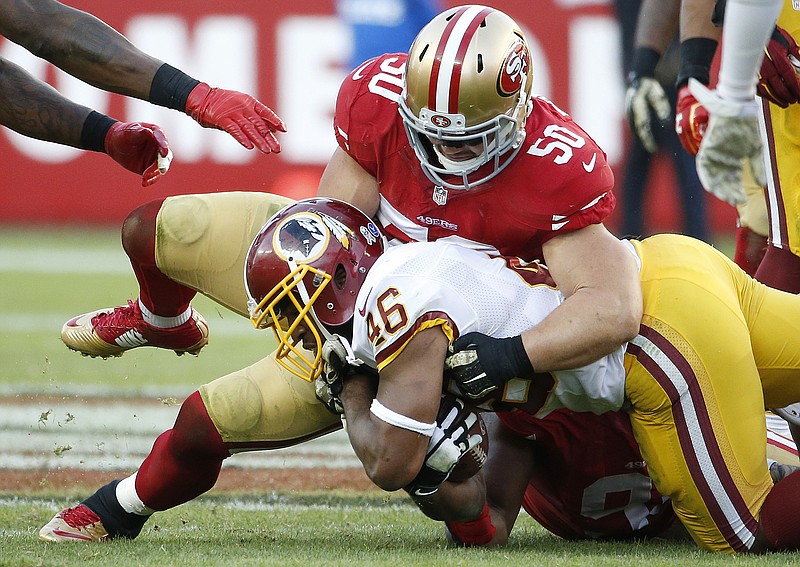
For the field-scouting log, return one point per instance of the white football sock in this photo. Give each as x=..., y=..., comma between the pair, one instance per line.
x=129, y=500
x=164, y=322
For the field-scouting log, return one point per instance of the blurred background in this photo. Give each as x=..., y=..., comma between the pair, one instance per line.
x=293, y=56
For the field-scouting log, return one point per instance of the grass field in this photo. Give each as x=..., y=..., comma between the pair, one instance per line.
x=48, y=394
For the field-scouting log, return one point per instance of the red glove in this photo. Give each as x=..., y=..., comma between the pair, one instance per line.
x=239, y=114
x=777, y=79
x=691, y=119
x=140, y=148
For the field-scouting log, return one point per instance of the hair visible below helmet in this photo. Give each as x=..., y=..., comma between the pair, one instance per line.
x=306, y=265
x=468, y=79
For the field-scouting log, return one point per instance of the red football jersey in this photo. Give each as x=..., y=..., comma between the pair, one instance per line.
x=591, y=481
x=559, y=181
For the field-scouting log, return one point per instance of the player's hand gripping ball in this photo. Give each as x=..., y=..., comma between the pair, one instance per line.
x=472, y=461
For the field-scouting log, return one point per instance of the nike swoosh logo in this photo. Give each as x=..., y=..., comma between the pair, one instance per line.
x=590, y=166
x=71, y=535
x=363, y=310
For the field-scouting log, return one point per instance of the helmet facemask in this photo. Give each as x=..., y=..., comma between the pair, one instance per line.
x=287, y=307
x=496, y=137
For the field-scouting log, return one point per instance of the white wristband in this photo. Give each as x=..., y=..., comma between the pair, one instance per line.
x=393, y=418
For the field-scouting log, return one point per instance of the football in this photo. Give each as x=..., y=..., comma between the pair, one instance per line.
x=473, y=460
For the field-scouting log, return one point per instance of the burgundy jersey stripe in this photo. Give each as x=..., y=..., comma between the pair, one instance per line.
x=702, y=425
x=399, y=345
x=780, y=214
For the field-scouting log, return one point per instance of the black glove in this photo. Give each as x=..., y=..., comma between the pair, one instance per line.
x=449, y=442
x=329, y=384
x=480, y=364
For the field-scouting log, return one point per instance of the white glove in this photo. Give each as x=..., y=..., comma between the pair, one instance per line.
x=645, y=98
x=731, y=140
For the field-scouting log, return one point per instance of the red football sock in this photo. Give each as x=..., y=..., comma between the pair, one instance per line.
x=184, y=461
x=780, y=269
x=750, y=249
x=157, y=292
x=780, y=514
x=479, y=531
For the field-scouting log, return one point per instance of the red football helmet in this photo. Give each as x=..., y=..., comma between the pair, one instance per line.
x=306, y=266
x=467, y=82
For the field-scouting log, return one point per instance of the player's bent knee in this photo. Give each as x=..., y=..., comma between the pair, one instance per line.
x=139, y=232
x=266, y=405
x=194, y=433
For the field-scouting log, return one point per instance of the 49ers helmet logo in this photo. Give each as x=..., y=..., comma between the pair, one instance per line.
x=440, y=121
x=515, y=66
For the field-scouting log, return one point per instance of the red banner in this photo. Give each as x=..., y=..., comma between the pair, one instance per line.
x=292, y=56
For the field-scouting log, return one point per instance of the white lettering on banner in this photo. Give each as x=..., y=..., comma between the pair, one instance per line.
x=596, y=90
x=69, y=86
x=220, y=50
x=313, y=52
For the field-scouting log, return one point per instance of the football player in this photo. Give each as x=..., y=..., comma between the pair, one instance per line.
x=92, y=51
x=581, y=476
x=446, y=142
x=700, y=33
x=779, y=89
x=714, y=346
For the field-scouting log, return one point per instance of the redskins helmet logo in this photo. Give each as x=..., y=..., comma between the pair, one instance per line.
x=515, y=66
x=304, y=237
x=440, y=121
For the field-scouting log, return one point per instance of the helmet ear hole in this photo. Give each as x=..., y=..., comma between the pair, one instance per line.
x=340, y=277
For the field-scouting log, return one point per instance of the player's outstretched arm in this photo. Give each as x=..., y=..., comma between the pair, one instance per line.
x=646, y=103
x=80, y=44
x=37, y=110
x=91, y=50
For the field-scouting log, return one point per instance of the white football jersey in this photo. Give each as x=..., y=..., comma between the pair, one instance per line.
x=419, y=285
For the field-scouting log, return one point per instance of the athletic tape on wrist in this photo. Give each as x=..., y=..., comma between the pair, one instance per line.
x=171, y=87
x=697, y=53
x=398, y=420
x=94, y=132
x=644, y=62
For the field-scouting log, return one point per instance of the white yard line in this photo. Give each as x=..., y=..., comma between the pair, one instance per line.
x=118, y=434
x=64, y=261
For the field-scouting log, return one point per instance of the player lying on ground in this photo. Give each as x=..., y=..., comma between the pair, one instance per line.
x=581, y=477
x=714, y=346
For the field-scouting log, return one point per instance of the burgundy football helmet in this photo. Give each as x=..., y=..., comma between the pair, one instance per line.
x=306, y=266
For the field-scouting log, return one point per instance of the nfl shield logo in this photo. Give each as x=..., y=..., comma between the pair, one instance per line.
x=440, y=195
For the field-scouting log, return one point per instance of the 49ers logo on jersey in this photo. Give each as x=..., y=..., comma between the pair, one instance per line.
x=514, y=68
